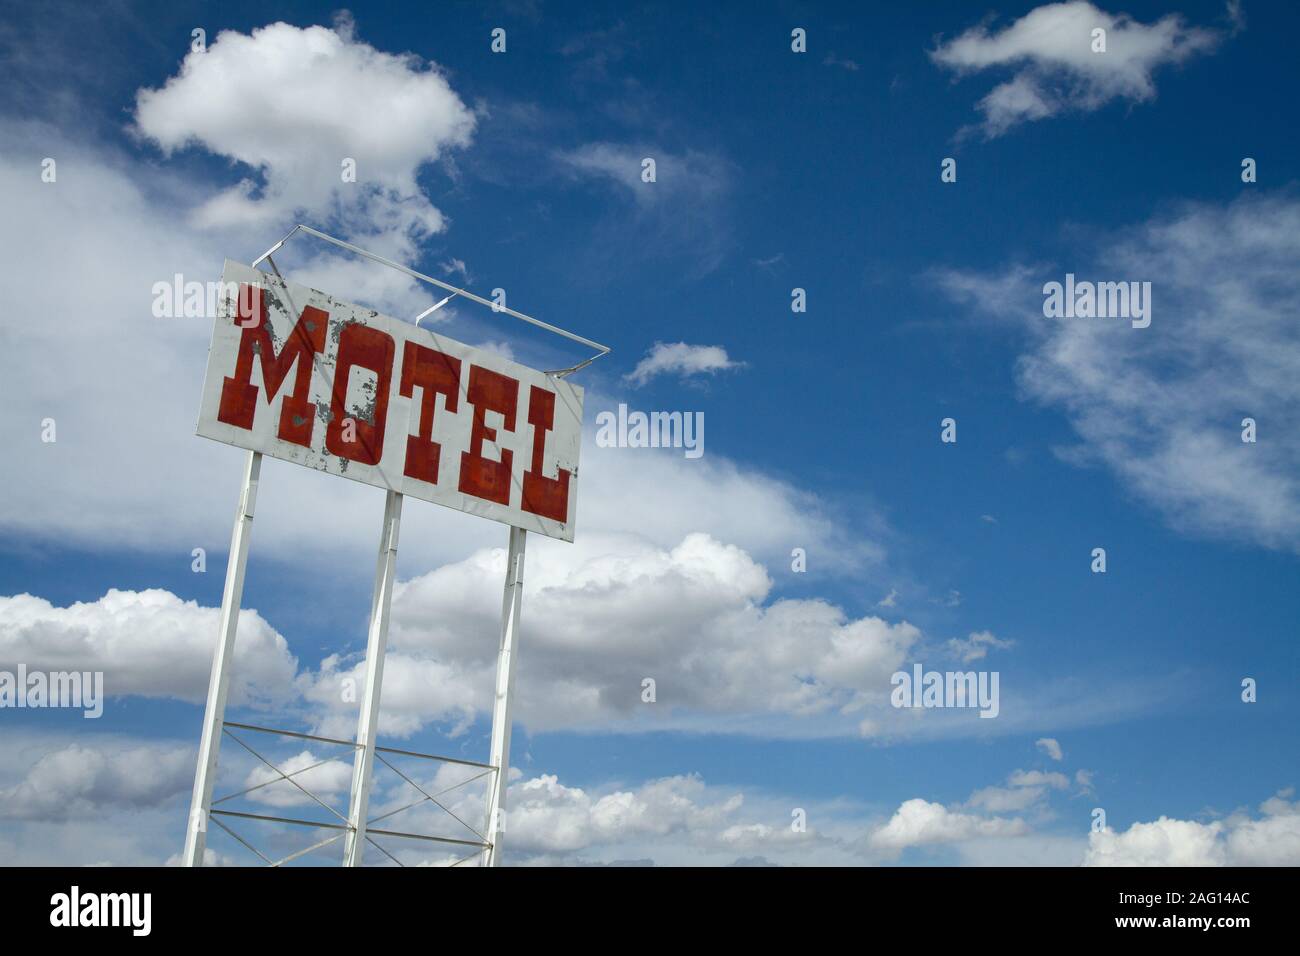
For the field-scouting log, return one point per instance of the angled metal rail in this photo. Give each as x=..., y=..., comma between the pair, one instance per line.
x=601, y=350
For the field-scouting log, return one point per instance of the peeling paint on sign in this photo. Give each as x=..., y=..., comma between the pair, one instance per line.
x=423, y=415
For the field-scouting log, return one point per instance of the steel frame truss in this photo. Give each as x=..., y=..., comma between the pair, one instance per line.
x=344, y=828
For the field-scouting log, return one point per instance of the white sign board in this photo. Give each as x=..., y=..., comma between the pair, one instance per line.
x=299, y=375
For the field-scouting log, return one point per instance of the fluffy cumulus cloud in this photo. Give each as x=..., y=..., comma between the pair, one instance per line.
x=92, y=790
x=919, y=822
x=148, y=643
x=546, y=817
x=1051, y=50
x=682, y=360
x=1163, y=407
x=291, y=105
x=609, y=613
x=612, y=622
x=1164, y=842
x=297, y=110
x=80, y=783
x=1270, y=839
x=1008, y=824
x=679, y=819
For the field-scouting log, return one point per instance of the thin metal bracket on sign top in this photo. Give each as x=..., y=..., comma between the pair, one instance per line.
x=601, y=350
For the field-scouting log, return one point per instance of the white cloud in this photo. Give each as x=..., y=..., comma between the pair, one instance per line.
x=682, y=214
x=1056, y=68
x=1006, y=799
x=1164, y=842
x=292, y=104
x=546, y=816
x=150, y=643
x=417, y=691
x=606, y=613
x=690, y=172
x=78, y=782
x=119, y=802
x=455, y=267
x=919, y=822
x=683, y=360
x=1162, y=407
x=679, y=820
x=976, y=646
x=1038, y=778
x=1025, y=789
x=609, y=611
x=662, y=498
x=1273, y=839
x=1050, y=746
x=330, y=779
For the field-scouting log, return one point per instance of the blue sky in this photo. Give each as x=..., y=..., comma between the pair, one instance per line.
x=775, y=170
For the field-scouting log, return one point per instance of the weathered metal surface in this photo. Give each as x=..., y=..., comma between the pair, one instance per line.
x=412, y=412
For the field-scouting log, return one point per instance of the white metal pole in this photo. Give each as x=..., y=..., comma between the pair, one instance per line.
x=214, y=714
x=368, y=725
x=511, y=604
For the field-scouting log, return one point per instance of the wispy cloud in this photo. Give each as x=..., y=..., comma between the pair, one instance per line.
x=682, y=213
x=683, y=360
x=1163, y=407
x=977, y=646
x=1051, y=48
x=1050, y=746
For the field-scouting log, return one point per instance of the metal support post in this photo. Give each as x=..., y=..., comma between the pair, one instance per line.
x=219, y=684
x=511, y=604
x=377, y=645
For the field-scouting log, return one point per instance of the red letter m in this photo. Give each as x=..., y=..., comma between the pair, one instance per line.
x=239, y=395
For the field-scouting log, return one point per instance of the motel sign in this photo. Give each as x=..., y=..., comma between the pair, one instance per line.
x=299, y=375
